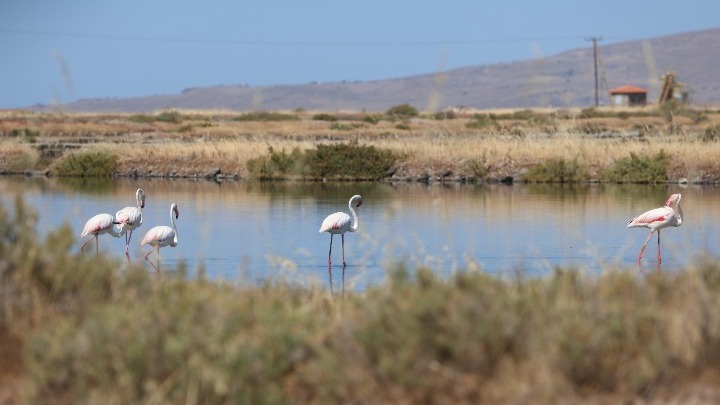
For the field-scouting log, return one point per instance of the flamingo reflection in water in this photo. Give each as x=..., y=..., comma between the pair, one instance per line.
x=330, y=280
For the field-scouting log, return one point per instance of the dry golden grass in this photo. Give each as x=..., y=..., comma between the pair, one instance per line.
x=206, y=140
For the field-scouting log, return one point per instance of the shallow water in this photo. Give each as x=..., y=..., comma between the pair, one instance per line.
x=259, y=231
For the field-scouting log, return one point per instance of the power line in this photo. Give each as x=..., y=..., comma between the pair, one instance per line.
x=277, y=43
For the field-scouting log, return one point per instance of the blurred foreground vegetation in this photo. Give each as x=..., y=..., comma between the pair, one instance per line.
x=77, y=330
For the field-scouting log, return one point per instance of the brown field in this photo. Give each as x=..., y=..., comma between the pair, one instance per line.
x=195, y=143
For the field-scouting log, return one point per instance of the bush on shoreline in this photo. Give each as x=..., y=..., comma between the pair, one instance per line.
x=638, y=169
x=342, y=161
x=90, y=164
x=557, y=171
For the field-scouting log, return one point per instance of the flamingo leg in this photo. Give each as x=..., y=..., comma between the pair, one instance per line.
x=127, y=241
x=659, y=257
x=88, y=241
x=645, y=245
x=330, y=252
x=97, y=246
x=343, y=250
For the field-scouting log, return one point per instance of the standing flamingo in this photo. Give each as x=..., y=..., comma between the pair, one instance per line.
x=162, y=235
x=130, y=218
x=98, y=225
x=657, y=219
x=341, y=222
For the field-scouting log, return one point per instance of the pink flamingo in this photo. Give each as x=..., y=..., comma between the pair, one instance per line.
x=98, y=225
x=341, y=222
x=657, y=219
x=162, y=235
x=130, y=218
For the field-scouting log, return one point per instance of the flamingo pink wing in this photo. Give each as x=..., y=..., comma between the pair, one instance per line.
x=159, y=235
x=129, y=216
x=336, y=223
x=657, y=215
x=98, y=223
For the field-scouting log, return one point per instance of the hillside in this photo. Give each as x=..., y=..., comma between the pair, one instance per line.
x=562, y=80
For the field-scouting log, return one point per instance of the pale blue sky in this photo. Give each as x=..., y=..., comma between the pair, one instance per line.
x=61, y=51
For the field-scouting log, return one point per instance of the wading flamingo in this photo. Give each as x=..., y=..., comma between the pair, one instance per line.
x=98, y=225
x=341, y=222
x=130, y=218
x=160, y=236
x=658, y=219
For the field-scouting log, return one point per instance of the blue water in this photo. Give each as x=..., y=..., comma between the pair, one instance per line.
x=258, y=231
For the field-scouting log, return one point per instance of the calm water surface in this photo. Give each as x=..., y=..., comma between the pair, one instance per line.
x=259, y=231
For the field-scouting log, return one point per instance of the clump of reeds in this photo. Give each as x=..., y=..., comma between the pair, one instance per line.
x=89, y=164
x=341, y=161
x=557, y=170
x=638, y=169
x=266, y=116
x=91, y=334
x=172, y=117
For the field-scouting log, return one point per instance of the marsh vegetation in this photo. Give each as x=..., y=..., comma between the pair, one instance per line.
x=609, y=145
x=77, y=330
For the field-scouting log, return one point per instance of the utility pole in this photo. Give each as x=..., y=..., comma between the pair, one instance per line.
x=595, y=58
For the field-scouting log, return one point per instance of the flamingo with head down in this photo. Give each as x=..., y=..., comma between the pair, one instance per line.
x=98, y=225
x=657, y=219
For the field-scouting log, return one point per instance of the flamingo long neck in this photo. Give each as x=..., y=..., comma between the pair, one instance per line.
x=355, y=220
x=139, y=207
x=679, y=214
x=172, y=219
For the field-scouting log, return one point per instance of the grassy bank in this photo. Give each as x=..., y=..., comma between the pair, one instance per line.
x=525, y=145
x=77, y=330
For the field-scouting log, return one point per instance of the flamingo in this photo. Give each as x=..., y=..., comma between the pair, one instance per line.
x=162, y=235
x=98, y=225
x=341, y=222
x=130, y=218
x=657, y=219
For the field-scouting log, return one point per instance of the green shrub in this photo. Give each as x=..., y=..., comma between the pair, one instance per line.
x=92, y=164
x=276, y=165
x=483, y=121
x=27, y=134
x=372, y=119
x=638, y=169
x=402, y=111
x=337, y=126
x=556, y=171
x=324, y=117
x=266, y=116
x=172, y=117
x=348, y=161
x=444, y=115
x=711, y=134
x=590, y=112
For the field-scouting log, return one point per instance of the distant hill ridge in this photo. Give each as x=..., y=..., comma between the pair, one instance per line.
x=562, y=80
